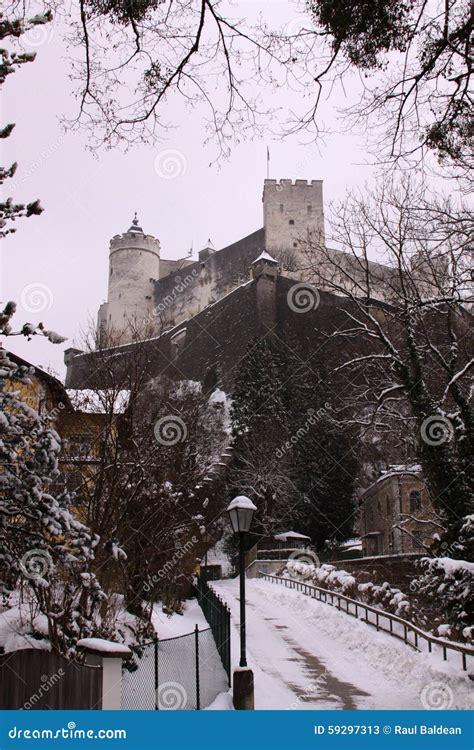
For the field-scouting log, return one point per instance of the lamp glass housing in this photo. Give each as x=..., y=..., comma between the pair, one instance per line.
x=240, y=512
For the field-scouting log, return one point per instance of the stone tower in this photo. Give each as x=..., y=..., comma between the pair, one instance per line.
x=291, y=210
x=134, y=262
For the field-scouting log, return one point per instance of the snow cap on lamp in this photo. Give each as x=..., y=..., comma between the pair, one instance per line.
x=241, y=511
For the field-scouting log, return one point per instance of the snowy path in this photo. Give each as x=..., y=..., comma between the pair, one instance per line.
x=307, y=655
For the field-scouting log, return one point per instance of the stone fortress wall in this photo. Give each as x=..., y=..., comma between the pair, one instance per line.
x=149, y=294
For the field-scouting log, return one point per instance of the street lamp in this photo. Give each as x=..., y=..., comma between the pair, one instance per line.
x=206, y=538
x=240, y=512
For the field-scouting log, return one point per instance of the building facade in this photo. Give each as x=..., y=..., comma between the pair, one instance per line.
x=396, y=514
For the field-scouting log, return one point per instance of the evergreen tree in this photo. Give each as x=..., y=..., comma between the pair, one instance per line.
x=289, y=456
x=10, y=61
x=327, y=468
x=43, y=547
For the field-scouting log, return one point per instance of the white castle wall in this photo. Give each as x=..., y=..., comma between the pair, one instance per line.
x=133, y=269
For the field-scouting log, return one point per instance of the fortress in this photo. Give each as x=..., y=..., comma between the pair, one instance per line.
x=238, y=292
x=147, y=291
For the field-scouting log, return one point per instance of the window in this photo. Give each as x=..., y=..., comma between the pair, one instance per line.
x=415, y=500
x=291, y=221
x=78, y=446
x=295, y=244
x=310, y=208
x=281, y=207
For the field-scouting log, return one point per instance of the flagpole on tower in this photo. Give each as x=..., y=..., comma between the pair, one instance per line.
x=268, y=163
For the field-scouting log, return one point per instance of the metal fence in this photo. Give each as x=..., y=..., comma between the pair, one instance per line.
x=172, y=674
x=217, y=614
x=389, y=623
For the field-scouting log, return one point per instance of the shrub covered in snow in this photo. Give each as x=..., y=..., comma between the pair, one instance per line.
x=326, y=576
x=385, y=597
x=447, y=586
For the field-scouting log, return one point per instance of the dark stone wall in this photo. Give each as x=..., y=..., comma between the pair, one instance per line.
x=217, y=339
x=189, y=290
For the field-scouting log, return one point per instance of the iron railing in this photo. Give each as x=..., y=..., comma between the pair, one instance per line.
x=397, y=627
x=217, y=615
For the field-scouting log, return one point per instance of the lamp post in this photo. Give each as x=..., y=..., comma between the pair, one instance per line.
x=240, y=512
x=206, y=538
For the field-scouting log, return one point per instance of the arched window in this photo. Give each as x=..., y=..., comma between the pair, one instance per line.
x=415, y=500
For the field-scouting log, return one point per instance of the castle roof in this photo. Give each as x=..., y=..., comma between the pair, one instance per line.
x=135, y=226
x=209, y=245
x=264, y=256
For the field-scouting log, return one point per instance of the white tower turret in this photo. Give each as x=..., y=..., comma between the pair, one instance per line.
x=133, y=268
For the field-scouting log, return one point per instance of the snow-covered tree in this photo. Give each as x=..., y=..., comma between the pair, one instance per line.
x=155, y=482
x=45, y=551
x=445, y=585
x=415, y=371
x=11, y=30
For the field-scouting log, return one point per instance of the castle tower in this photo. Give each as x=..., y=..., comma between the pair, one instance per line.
x=291, y=210
x=133, y=268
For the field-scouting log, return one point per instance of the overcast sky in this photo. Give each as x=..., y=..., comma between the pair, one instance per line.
x=55, y=266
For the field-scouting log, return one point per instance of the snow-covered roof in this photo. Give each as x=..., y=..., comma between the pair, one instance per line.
x=105, y=647
x=351, y=544
x=264, y=256
x=397, y=469
x=290, y=535
x=99, y=401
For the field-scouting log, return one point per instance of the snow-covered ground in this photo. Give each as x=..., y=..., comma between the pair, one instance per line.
x=171, y=626
x=308, y=655
x=176, y=666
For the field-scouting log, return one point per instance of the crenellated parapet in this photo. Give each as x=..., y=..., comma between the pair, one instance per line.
x=134, y=240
